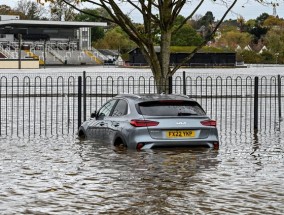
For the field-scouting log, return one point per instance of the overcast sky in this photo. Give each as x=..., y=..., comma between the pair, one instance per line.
x=249, y=9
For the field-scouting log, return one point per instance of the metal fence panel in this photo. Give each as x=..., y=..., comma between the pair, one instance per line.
x=55, y=105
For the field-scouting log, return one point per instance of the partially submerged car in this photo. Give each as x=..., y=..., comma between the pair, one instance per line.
x=146, y=121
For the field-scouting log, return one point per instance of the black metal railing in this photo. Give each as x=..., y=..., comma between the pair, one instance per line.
x=57, y=105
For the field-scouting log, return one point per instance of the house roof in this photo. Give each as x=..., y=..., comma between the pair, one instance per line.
x=188, y=49
x=49, y=24
x=109, y=52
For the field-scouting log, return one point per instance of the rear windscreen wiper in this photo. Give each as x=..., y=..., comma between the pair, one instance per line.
x=186, y=114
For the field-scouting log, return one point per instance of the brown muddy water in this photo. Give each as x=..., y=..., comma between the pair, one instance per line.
x=61, y=175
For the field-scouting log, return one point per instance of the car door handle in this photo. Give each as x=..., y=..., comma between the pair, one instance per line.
x=102, y=124
x=115, y=124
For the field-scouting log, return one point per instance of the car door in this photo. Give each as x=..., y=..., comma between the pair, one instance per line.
x=117, y=119
x=101, y=123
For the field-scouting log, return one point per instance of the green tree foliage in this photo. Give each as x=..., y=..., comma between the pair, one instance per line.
x=207, y=19
x=250, y=23
x=280, y=58
x=232, y=39
x=115, y=39
x=261, y=18
x=258, y=32
x=267, y=57
x=272, y=22
x=241, y=23
x=228, y=26
x=7, y=10
x=251, y=57
x=94, y=15
x=205, y=24
x=186, y=35
x=274, y=40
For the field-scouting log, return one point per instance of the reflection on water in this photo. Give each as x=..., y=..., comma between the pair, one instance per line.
x=62, y=175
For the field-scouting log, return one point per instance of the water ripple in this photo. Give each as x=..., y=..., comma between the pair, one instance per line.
x=62, y=175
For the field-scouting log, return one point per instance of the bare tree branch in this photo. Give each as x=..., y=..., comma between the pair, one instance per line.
x=203, y=43
x=85, y=12
x=189, y=17
x=159, y=17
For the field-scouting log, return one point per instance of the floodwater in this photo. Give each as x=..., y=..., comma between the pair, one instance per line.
x=62, y=175
x=251, y=70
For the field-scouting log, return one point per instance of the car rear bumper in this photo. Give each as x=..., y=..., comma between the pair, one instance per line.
x=190, y=144
x=150, y=144
x=142, y=137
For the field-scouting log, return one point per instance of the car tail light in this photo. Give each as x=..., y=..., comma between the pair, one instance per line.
x=143, y=123
x=139, y=146
x=209, y=123
x=216, y=145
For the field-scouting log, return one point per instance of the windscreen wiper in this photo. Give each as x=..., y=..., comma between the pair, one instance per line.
x=186, y=114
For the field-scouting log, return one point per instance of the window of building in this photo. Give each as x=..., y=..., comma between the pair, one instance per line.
x=84, y=33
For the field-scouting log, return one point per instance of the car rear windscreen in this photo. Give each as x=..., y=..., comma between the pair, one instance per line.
x=170, y=108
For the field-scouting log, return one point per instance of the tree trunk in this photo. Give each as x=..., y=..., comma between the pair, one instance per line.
x=161, y=68
x=158, y=16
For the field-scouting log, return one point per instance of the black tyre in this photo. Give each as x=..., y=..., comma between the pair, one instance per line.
x=81, y=134
x=119, y=143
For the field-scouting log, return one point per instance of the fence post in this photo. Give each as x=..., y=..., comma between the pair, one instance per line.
x=255, y=112
x=279, y=97
x=1, y=105
x=19, y=51
x=184, y=83
x=84, y=96
x=79, y=101
x=170, y=85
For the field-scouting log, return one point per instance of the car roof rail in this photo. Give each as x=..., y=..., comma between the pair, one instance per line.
x=182, y=95
x=129, y=95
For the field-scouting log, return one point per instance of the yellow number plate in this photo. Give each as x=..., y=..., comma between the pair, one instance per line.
x=180, y=134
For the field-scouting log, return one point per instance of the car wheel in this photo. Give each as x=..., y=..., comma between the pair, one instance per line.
x=81, y=134
x=119, y=143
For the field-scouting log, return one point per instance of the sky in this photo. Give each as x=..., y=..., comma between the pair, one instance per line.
x=249, y=9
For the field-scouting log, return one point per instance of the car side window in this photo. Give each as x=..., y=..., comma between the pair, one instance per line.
x=120, y=109
x=105, y=110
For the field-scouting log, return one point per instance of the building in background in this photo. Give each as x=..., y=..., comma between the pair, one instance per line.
x=200, y=59
x=51, y=42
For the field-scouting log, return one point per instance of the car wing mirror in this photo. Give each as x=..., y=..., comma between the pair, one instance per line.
x=94, y=114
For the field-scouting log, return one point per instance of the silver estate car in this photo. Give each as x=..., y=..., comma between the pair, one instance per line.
x=146, y=121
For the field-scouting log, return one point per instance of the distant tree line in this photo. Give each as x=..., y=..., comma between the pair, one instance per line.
x=247, y=37
x=259, y=40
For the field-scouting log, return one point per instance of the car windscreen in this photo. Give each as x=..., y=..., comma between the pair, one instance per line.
x=170, y=108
